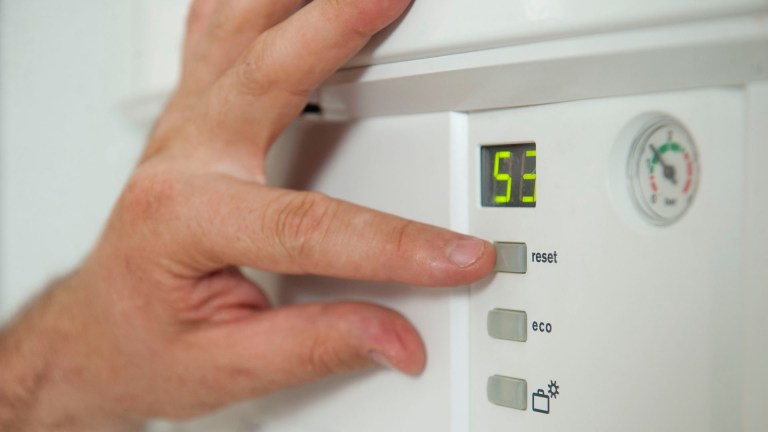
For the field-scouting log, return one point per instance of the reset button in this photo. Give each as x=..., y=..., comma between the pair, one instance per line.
x=511, y=257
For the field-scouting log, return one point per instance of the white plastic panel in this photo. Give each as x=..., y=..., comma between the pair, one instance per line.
x=158, y=32
x=726, y=51
x=641, y=318
x=755, y=257
x=437, y=27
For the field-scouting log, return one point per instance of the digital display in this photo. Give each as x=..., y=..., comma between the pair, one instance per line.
x=508, y=175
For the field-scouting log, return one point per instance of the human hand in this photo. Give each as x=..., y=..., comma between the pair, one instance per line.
x=158, y=321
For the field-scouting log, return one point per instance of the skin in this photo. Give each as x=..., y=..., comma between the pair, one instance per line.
x=158, y=321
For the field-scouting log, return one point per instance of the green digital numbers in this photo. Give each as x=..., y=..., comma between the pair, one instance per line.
x=530, y=176
x=502, y=177
x=508, y=173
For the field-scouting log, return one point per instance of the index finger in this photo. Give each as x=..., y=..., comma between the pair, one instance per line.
x=241, y=223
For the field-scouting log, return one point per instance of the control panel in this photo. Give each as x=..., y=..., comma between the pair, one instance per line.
x=602, y=214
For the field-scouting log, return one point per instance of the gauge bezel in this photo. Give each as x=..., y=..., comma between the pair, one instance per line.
x=636, y=159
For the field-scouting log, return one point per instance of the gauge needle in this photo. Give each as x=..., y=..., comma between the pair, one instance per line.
x=669, y=170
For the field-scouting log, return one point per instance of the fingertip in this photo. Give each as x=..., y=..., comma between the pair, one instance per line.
x=399, y=346
x=372, y=16
x=465, y=251
x=457, y=260
x=390, y=340
x=476, y=256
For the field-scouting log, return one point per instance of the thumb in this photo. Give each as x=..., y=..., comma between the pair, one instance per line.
x=292, y=345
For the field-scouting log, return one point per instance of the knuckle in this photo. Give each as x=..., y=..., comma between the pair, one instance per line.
x=148, y=195
x=403, y=232
x=258, y=74
x=250, y=76
x=302, y=223
x=321, y=360
x=327, y=355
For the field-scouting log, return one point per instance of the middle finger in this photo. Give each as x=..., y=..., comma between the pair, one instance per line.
x=219, y=37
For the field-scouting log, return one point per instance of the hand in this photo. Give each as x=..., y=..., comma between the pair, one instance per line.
x=158, y=321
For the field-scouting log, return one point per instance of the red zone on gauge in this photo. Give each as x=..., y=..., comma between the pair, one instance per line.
x=667, y=169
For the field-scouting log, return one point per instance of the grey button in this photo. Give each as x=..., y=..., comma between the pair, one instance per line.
x=508, y=392
x=511, y=257
x=508, y=325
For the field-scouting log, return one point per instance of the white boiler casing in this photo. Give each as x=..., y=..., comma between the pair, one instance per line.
x=650, y=327
x=645, y=326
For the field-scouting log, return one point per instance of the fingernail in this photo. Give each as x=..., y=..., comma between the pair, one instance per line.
x=466, y=252
x=380, y=360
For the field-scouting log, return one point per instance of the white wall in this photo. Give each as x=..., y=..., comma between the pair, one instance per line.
x=65, y=147
x=79, y=83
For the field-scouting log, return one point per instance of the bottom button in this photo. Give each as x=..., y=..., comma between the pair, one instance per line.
x=508, y=392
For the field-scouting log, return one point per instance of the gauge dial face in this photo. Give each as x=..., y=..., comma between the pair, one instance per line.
x=663, y=170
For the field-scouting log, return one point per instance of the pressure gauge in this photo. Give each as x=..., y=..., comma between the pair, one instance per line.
x=663, y=170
